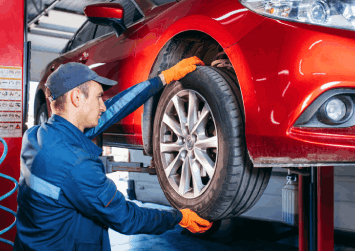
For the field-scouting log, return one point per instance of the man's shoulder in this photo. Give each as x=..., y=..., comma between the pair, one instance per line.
x=50, y=145
x=55, y=150
x=42, y=136
x=38, y=138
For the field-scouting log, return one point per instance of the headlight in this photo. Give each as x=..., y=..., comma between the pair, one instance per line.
x=332, y=13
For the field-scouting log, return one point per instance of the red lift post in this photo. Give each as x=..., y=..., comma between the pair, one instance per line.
x=13, y=77
x=316, y=210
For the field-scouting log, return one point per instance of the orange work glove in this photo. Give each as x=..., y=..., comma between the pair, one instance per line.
x=179, y=70
x=193, y=222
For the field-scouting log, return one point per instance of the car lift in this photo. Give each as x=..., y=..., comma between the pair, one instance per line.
x=316, y=210
x=112, y=166
x=315, y=196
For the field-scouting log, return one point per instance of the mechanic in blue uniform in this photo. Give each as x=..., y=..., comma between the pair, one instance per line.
x=65, y=200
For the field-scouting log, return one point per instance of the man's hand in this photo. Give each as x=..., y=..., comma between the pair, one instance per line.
x=193, y=222
x=179, y=70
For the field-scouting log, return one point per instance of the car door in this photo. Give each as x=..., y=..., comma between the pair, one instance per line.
x=78, y=45
x=112, y=57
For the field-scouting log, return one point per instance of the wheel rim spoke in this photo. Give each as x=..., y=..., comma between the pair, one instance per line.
x=172, y=124
x=205, y=161
x=196, y=177
x=211, y=142
x=185, y=177
x=179, y=106
x=170, y=147
x=201, y=123
x=174, y=165
x=192, y=114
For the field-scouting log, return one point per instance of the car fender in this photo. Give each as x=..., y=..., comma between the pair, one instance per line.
x=221, y=33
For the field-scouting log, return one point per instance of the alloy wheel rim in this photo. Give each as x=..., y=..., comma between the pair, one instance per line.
x=188, y=143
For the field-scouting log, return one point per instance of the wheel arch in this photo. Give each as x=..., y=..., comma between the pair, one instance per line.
x=182, y=45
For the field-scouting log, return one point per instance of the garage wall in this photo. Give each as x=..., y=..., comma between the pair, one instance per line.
x=269, y=206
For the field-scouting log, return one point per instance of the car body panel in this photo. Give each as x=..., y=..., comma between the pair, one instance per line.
x=281, y=66
x=277, y=89
x=154, y=34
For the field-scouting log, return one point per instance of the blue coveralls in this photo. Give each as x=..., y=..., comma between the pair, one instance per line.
x=65, y=200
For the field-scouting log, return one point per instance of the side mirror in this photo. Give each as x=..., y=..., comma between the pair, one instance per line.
x=108, y=14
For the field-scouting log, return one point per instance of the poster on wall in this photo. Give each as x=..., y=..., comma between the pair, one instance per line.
x=10, y=101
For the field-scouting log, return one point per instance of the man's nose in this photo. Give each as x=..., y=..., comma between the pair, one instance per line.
x=102, y=106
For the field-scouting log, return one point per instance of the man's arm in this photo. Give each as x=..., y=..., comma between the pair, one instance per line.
x=131, y=99
x=125, y=103
x=95, y=196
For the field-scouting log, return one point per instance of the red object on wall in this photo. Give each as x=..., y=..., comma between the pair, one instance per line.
x=11, y=58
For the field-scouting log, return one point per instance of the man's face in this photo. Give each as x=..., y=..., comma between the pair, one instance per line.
x=93, y=106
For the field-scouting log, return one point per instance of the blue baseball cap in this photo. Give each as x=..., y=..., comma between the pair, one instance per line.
x=70, y=75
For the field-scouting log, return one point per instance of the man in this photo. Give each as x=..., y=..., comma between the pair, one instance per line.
x=65, y=200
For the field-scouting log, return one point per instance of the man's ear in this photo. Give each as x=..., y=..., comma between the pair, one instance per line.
x=76, y=97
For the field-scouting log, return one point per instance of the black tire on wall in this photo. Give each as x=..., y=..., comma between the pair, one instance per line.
x=42, y=114
x=199, y=147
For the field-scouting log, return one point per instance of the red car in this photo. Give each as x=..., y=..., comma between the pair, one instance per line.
x=277, y=90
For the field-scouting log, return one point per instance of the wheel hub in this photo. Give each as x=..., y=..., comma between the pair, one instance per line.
x=190, y=143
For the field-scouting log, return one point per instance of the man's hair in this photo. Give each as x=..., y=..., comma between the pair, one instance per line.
x=59, y=103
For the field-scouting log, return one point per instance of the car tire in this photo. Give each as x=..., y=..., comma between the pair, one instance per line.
x=222, y=182
x=42, y=115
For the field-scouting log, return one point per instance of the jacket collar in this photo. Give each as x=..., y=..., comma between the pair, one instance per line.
x=72, y=132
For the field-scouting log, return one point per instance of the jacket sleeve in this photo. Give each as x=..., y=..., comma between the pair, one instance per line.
x=125, y=103
x=96, y=196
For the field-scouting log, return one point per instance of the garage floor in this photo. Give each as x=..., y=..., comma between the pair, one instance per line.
x=240, y=234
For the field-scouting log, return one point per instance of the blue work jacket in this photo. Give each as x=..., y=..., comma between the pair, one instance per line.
x=65, y=200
